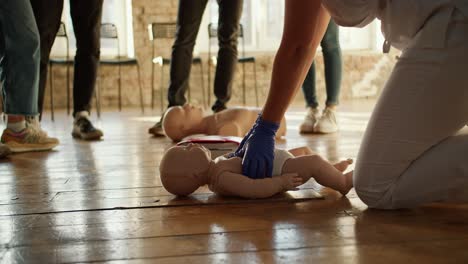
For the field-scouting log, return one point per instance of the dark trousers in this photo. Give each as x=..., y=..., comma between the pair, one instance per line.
x=86, y=18
x=333, y=69
x=188, y=24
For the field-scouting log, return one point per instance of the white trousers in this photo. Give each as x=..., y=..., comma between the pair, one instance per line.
x=415, y=149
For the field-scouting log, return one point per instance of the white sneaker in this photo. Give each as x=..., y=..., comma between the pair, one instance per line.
x=309, y=121
x=327, y=122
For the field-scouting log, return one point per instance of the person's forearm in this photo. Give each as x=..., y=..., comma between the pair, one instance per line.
x=304, y=26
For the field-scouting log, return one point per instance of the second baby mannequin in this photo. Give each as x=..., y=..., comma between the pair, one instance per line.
x=183, y=121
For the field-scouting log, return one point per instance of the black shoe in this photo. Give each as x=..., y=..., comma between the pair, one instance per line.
x=157, y=130
x=218, y=107
x=84, y=129
x=4, y=150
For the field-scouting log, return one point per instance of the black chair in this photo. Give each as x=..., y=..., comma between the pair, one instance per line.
x=167, y=31
x=213, y=33
x=67, y=61
x=109, y=31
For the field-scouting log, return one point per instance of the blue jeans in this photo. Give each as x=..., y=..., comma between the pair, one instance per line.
x=333, y=69
x=19, y=57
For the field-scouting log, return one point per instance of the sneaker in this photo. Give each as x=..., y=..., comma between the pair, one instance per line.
x=309, y=121
x=157, y=130
x=4, y=151
x=84, y=129
x=29, y=139
x=327, y=122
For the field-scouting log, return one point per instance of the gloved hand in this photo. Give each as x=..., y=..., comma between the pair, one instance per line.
x=240, y=149
x=258, y=150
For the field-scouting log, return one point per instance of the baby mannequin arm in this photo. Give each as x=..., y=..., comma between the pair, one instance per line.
x=239, y=185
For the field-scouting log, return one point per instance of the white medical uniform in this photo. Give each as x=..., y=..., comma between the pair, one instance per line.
x=415, y=149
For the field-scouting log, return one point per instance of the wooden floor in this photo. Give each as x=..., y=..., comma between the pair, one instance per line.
x=103, y=202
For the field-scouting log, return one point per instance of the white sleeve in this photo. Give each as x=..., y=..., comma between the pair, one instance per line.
x=352, y=13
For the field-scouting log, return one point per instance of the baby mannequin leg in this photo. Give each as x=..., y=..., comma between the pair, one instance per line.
x=321, y=170
x=303, y=151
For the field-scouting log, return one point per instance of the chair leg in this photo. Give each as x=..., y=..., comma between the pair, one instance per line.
x=141, y=88
x=68, y=89
x=51, y=77
x=189, y=93
x=202, y=84
x=255, y=82
x=97, y=97
x=209, y=82
x=120, y=88
x=161, y=97
x=152, y=85
x=244, y=98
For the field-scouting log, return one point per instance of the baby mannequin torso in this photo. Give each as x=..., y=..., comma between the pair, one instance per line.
x=236, y=122
x=234, y=165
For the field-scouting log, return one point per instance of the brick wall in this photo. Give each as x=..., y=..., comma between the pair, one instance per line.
x=364, y=72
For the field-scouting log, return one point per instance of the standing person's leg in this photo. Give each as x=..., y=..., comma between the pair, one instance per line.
x=333, y=71
x=48, y=15
x=309, y=88
x=412, y=151
x=86, y=16
x=189, y=17
x=333, y=63
x=309, y=91
x=230, y=12
x=4, y=149
x=19, y=69
x=20, y=58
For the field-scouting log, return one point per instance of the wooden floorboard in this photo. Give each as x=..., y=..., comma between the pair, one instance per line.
x=103, y=202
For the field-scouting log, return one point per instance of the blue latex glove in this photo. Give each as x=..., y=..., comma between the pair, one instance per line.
x=258, y=150
x=240, y=149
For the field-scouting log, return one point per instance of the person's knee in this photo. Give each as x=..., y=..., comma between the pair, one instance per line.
x=186, y=36
x=368, y=189
x=28, y=47
x=228, y=36
x=363, y=193
x=88, y=51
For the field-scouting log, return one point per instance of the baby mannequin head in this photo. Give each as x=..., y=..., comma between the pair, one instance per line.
x=179, y=120
x=185, y=168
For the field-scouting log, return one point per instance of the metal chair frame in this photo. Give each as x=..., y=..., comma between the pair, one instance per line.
x=167, y=30
x=61, y=33
x=110, y=31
